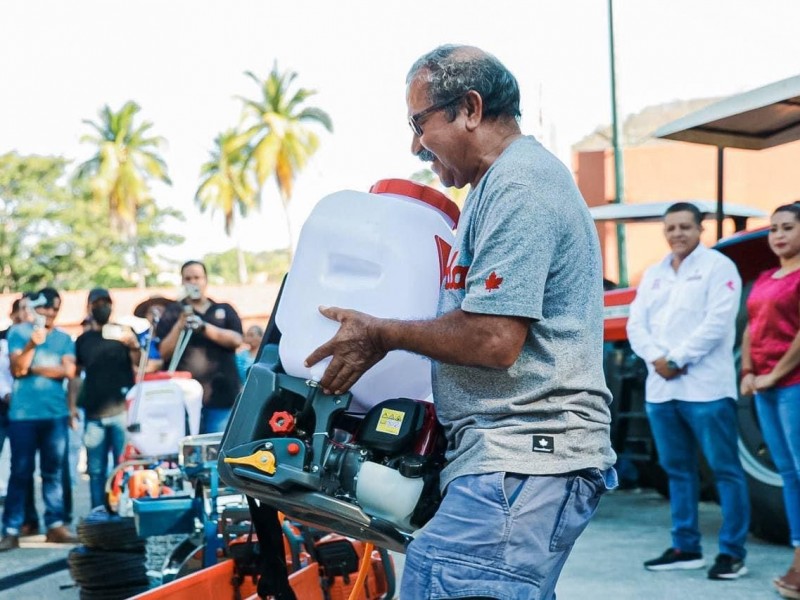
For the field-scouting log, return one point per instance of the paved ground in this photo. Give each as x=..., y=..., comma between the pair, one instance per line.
x=631, y=527
x=606, y=564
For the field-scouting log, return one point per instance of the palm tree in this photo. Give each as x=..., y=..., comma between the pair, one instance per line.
x=277, y=134
x=226, y=187
x=120, y=172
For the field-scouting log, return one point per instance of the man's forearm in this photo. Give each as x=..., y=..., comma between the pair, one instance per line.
x=51, y=372
x=167, y=345
x=459, y=338
x=21, y=361
x=227, y=338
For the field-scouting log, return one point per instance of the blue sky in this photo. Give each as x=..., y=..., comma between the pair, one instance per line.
x=182, y=61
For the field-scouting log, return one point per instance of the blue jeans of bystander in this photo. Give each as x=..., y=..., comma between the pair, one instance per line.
x=49, y=437
x=100, y=437
x=779, y=416
x=502, y=536
x=678, y=427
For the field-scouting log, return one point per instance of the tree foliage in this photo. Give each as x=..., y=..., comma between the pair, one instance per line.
x=120, y=173
x=277, y=135
x=263, y=266
x=51, y=233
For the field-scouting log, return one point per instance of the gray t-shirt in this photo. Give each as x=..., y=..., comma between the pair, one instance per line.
x=526, y=246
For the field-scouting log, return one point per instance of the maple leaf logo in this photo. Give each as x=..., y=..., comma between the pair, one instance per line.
x=493, y=281
x=543, y=442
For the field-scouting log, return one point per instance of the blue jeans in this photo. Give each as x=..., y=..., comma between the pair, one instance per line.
x=31, y=516
x=779, y=415
x=500, y=536
x=49, y=437
x=678, y=428
x=100, y=437
x=214, y=420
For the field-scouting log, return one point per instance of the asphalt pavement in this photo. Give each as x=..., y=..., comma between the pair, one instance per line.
x=630, y=527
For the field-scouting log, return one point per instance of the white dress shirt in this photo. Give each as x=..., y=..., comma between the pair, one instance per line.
x=690, y=318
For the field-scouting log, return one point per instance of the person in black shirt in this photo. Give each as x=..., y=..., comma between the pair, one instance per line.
x=107, y=360
x=214, y=332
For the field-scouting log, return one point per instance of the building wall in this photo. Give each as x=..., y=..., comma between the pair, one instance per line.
x=682, y=171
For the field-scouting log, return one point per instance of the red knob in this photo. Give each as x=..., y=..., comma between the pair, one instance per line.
x=293, y=448
x=281, y=422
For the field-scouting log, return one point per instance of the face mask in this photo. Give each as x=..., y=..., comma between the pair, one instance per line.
x=101, y=314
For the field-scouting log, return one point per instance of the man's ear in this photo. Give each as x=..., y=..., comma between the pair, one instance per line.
x=474, y=105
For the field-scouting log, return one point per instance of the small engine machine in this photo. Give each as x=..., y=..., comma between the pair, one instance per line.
x=373, y=476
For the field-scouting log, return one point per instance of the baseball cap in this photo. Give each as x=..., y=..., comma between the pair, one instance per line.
x=99, y=294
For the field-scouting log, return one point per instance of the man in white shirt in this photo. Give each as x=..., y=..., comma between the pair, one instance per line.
x=682, y=324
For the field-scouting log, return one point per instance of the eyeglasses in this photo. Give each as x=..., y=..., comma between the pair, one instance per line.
x=415, y=120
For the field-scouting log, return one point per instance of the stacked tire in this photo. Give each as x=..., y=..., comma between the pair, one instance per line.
x=110, y=562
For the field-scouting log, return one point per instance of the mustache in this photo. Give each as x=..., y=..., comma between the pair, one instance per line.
x=426, y=155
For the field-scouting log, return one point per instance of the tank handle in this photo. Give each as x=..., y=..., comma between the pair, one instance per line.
x=419, y=191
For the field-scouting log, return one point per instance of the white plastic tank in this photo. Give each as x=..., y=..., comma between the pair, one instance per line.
x=383, y=253
x=160, y=407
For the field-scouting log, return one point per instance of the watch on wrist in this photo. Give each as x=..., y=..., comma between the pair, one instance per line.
x=673, y=365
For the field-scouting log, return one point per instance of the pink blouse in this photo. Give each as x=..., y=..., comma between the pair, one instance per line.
x=773, y=307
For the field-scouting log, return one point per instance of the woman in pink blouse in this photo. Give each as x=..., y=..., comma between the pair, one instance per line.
x=771, y=369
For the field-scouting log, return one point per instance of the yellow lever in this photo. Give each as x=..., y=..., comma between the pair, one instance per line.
x=263, y=460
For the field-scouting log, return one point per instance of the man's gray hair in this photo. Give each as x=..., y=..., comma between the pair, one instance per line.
x=453, y=70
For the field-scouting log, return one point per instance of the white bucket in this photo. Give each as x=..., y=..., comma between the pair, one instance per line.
x=382, y=253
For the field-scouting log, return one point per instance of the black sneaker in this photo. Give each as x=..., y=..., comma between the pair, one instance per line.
x=727, y=567
x=674, y=559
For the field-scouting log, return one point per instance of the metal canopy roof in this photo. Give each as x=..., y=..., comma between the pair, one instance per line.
x=762, y=118
x=654, y=211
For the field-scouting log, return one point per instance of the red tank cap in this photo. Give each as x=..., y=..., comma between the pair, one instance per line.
x=163, y=375
x=419, y=191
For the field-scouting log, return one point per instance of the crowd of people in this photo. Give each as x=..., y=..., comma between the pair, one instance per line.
x=54, y=389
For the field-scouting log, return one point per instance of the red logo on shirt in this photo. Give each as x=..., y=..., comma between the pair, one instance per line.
x=455, y=276
x=493, y=281
x=731, y=286
x=443, y=250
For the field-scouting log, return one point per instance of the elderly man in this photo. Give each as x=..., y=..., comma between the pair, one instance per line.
x=516, y=348
x=42, y=359
x=682, y=324
x=215, y=332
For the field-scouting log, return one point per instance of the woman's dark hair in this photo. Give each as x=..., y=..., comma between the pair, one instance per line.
x=686, y=207
x=793, y=208
x=453, y=70
x=189, y=263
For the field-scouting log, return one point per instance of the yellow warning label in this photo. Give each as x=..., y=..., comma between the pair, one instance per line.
x=390, y=421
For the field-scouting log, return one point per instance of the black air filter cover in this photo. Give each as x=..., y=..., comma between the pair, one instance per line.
x=392, y=425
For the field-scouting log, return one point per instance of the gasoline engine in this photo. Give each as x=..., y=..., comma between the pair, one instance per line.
x=372, y=477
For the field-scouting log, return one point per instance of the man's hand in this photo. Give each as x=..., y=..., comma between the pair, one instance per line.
x=355, y=348
x=74, y=419
x=664, y=369
x=38, y=336
x=195, y=323
x=747, y=386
